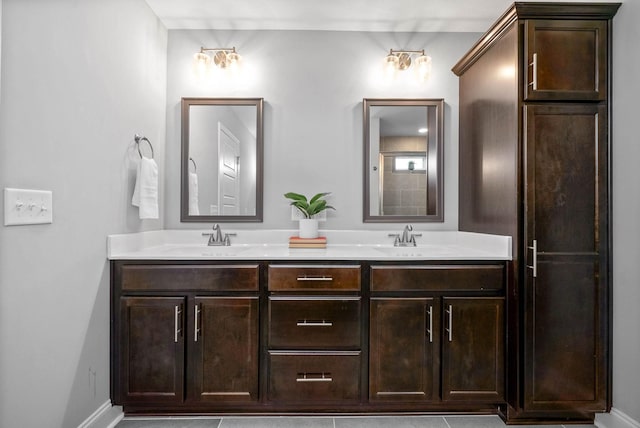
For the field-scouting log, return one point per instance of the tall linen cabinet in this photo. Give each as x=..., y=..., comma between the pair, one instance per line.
x=535, y=104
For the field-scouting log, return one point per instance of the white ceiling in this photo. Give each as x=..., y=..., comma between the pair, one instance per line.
x=337, y=15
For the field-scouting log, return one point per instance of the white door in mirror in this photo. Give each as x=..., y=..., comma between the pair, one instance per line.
x=22, y=206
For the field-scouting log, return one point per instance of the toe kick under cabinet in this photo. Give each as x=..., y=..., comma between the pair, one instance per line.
x=205, y=337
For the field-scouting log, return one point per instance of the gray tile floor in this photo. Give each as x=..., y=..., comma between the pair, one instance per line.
x=327, y=422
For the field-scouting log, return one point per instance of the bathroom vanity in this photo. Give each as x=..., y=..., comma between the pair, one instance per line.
x=351, y=328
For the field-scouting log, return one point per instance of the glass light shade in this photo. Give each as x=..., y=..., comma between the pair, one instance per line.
x=233, y=61
x=391, y=65
x=201, y=62
x=423, y=67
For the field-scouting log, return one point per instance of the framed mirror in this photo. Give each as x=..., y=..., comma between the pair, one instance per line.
x=403, y=160
x=222, y=160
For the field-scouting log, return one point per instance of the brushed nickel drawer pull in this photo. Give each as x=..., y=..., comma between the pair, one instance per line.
x=315, y=278
x=314, y=377
x=313, y=323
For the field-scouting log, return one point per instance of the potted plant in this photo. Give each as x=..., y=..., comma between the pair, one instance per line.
x=309, y=208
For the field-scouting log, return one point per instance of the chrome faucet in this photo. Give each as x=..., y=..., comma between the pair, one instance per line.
x=407, y=239
x=216, y=239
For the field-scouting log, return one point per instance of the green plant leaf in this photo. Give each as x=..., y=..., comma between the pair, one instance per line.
x=318, y=196
x=311, y=207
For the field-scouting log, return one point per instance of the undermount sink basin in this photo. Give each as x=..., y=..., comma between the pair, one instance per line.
x=419, y=251
x=203, y=250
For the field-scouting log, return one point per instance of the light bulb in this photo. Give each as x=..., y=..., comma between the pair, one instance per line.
x=201, y=63
x=391, y=64
x=423, y=67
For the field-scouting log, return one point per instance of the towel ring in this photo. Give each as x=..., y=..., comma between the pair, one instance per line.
x=138, y=139
x=195, y=167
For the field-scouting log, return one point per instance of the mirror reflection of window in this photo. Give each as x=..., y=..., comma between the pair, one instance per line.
x=403, y=147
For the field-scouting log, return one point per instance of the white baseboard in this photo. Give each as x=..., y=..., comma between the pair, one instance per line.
x=106, y=416
x=616, y=419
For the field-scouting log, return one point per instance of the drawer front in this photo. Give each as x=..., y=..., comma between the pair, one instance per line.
x=437, y=278
x=314, y=377
x=189, y=277
x=314, y=323
x=314, y=277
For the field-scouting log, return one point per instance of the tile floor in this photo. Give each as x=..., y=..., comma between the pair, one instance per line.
x=328, y=422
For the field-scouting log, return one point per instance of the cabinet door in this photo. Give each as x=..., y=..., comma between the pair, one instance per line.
x=403, y=357
x=566, y=285
x=473, y=349
x=566, y=60
x=151, y=350
x=225, y=349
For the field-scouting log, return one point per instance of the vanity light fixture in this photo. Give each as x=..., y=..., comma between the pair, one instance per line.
x=223, y=58
x=402, y=60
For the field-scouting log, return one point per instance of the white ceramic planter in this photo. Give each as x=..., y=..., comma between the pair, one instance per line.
x=308, y=228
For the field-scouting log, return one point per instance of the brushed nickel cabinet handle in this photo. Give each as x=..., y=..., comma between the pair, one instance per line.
x=534, y=79
x=323, y=323
x=430, y=329
x=314, y=377
x=196, y=326
x=315, y=278
x=534, y=267
x=177, y=330
x=449, y=329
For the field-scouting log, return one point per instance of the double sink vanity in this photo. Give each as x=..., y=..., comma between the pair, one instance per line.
x=361, y=326
x=511, y=315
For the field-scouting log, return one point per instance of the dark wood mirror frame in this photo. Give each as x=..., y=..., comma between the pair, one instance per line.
x=184, y=175
x=435, y=178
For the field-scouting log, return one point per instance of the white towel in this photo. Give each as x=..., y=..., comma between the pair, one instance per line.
x=193, y=194
x=145, y=193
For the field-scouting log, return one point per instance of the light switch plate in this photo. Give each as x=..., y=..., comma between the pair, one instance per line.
x=22, y=206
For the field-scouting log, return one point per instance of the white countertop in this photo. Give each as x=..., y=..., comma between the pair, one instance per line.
x=341, y=245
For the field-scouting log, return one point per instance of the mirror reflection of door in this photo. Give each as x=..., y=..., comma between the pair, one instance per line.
x=228, y=171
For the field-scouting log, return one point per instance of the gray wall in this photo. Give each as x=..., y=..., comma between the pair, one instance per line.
x=626, y=211
x=313, y=83
x=79, y=79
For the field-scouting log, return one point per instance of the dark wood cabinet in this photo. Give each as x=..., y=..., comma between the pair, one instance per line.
x=225, y=349
x=404, y=362
x=566, y=59
x=185, y=334
x=473, y=349
x=151, y=349
x=543, y=129
x=566, y=284
x=439, y=348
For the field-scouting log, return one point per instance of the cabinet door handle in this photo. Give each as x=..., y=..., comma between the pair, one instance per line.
x=176, y=314
x=430, y=329
x=196, y=326
x=314, y=377
x=450, y=328
x=534, y=267
x=315, y=278
x=323, y=323
x=534, y=78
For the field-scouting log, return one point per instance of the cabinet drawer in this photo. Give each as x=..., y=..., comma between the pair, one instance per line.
x=314, y=277
x=314, y=323
x=437, y=278
x=314, y=377
x=189, y=277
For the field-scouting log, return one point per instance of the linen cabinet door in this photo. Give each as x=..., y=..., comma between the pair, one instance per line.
x=566, y=285
x=151, y=350
x=403, y=350
x=225, y=349
x=473, y=349
x=566, y=60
